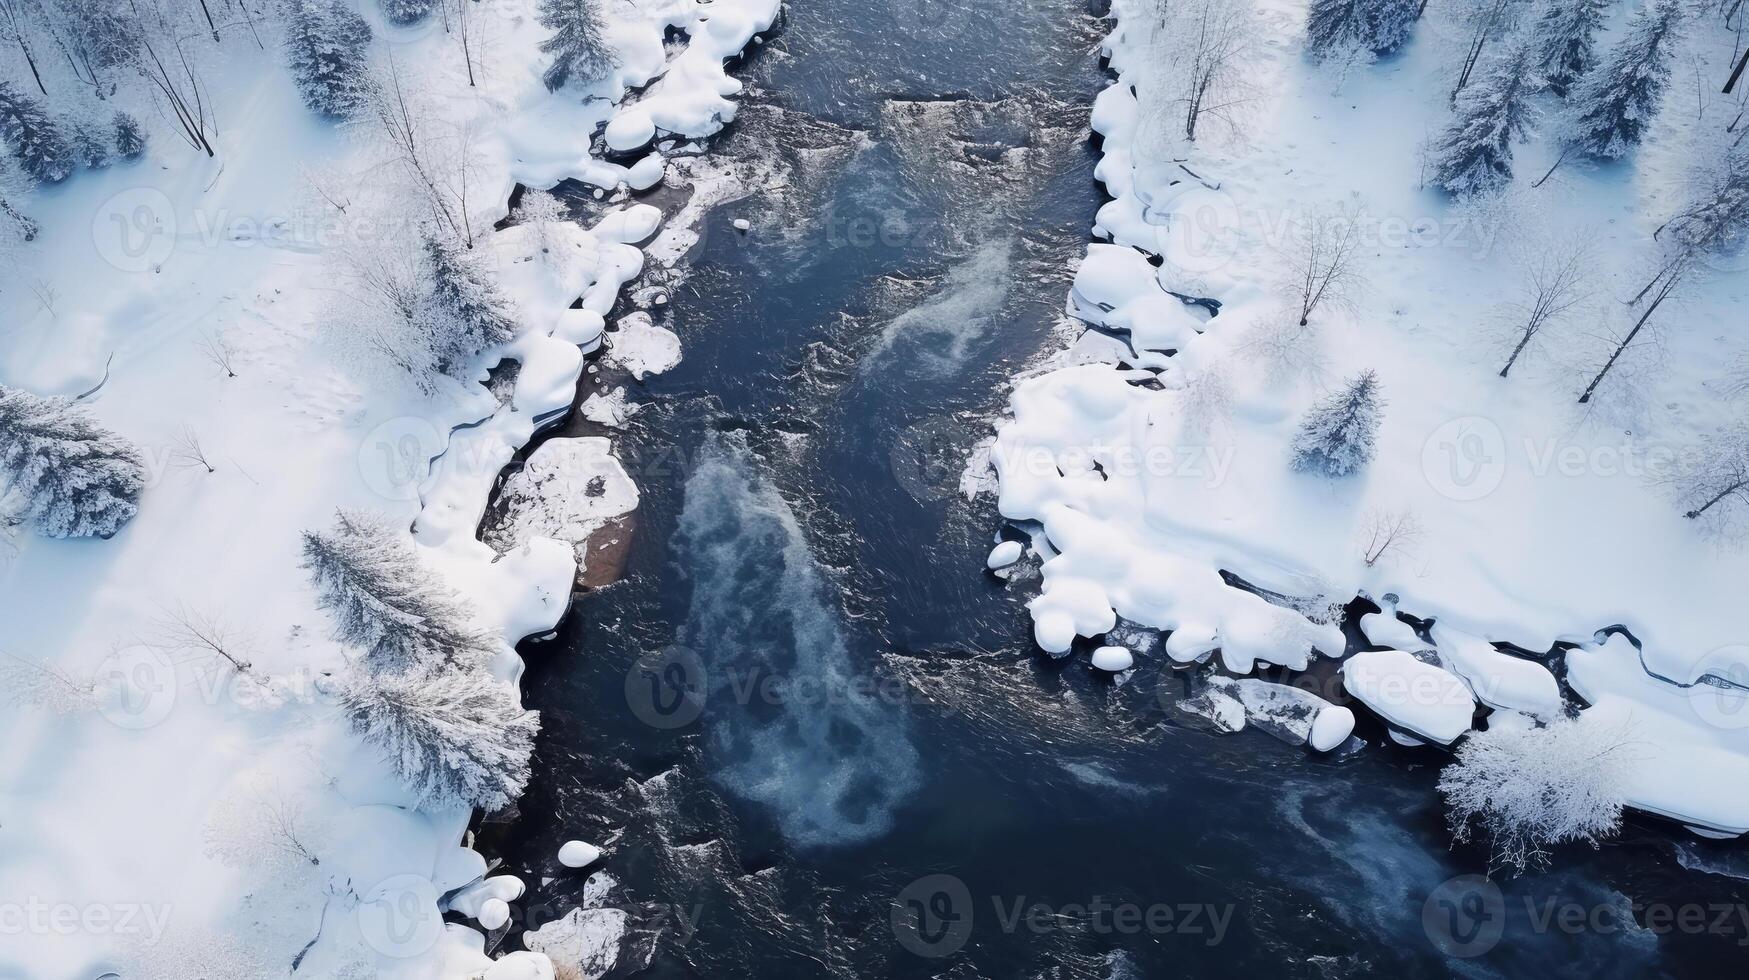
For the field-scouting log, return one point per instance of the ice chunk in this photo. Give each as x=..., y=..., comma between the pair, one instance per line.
x=1331, y=728
x=578, y=854
x=1005, y=554
x=1113, y=659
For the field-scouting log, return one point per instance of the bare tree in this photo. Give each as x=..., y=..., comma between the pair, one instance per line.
x=1486, y=20
x=31, y=683
x=1387, y=532
x=1711, y=481
x=216, y=349
x=1217, y=38
x=1554, y=279
x=1321, y=261
x=540, y=211
x=186, y=629
x=186, y=451
x=439, y=165
x=46, y=295
x=262, y=828
x=164, y=62
x=1207, y=399
x=1529, y=789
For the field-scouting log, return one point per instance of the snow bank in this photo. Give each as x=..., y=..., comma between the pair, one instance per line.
x=1429, y=703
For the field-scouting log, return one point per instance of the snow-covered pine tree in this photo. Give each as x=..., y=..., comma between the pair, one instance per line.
x=406, y=11
x=130, y=139
x=385, y=601
x=464, y=313
x=1372, y=26
x=78, y=479
x=91, y=144
x=1565, y=37
x=1613, y=105
x=455, y=737
x=325, y=42
x=579, y=46
x=1336, y=436
x=40, y=147
x=15, y=225
x=1474, y=154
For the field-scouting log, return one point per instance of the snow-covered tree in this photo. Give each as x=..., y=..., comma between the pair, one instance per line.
x=406, y=11
x=540, y=211
x=42, y=150
x=1531, y=788
x=91, y=145
x=79, y=479
x=1613, y=105
x=1711, y=481
x=130, y=139
x=463, y=311
x=1373, y=27
x=385, y=601
x=1555, y=279
x=261, y=827
x=15, y=225
x=1320, y=261
x=579, y=46
x=1212, y=52
x=1474, y=154
x=1565, y=39
x=455, y=737
x=1485, y=21
x=1336, y=436
x=325, y=44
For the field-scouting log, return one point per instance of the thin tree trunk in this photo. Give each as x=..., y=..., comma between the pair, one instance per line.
x=1663, y=294
x=30, y=60
x=1522, y=344
x=1558, y=161
x=1722, y=494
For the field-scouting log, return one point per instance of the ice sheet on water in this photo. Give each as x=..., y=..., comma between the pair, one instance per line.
x=790, y=715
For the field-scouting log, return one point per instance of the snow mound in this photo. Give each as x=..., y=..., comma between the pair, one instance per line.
x=1429, y=703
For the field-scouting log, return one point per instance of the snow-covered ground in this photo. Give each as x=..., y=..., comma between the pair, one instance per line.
x=1160, y=456
x=146, y=782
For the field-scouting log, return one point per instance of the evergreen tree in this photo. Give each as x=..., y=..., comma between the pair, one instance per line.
x=385, y=601
x=38, y=144
x=1336, y=436
x=1474, y=154
x=1613, y=105
x=91, y=144
x=325, y=45
x=130, y=139
x=77, y=478
x=14, y=223
x=455, y=737
x=1374, y=26
x=463, y=313
x=1566, y=41
x=579, y=43
x=406, y=11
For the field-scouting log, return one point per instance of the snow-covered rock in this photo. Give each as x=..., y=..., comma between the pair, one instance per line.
x=567, y=490
x=583, y=945
x=1419, y=698
x=1113, y=659
x=643, y=348
x=1331, y=728
x=1004, y=554
x=494, y=913
x=578, y=854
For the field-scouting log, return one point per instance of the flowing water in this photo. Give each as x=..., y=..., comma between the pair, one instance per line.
x=814, y=735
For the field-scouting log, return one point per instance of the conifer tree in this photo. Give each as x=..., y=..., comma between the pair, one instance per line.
x=384, y=601
x=1371, y=26
x=1474, y=154
x=406, y=11
x=42, y=150
x=1336, y=436
x=325, y=44
x=455, y=737
x=77, y=478
x=579, y=44
x=464, y=313
x=1565, y=38
x=1613, y=105
x=130, y=139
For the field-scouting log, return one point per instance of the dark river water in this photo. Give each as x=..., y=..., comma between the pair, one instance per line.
x=814, y=737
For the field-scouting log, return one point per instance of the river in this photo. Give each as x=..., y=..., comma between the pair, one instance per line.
x=806, y=702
